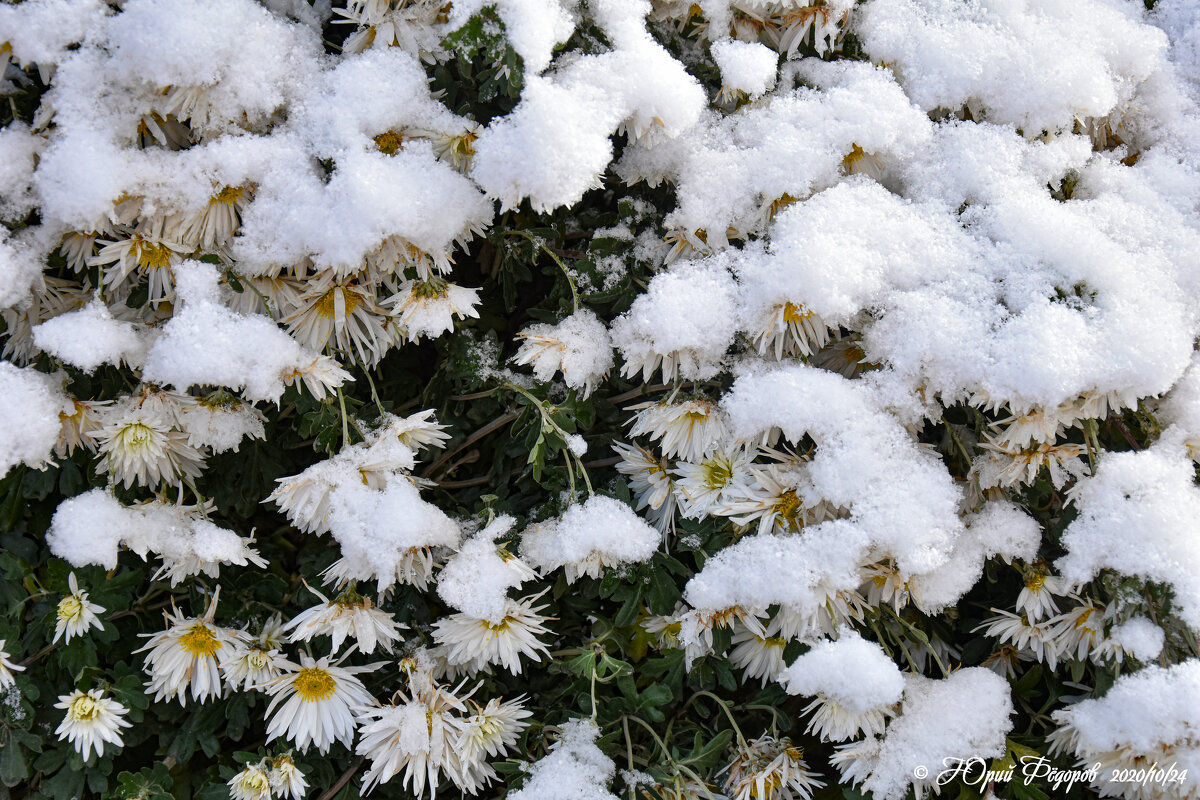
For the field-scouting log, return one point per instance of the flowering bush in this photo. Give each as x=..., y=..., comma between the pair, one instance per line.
x=589, y=398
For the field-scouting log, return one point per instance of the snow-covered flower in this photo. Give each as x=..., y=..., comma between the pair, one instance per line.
x=320, y=376
x=7, y=668
x=344, y=312
x=770, y=768
x=349, y=614
x=689, y=429
x=834, y=722
x=1012, y=466
x=76, y=615
x=185, y=658
x=777, y=497
x=428, y=308
x=788, y=329
x=315, y=703
x=579, y=346
x=476, y=642
x=252, y=783
x=91, y=721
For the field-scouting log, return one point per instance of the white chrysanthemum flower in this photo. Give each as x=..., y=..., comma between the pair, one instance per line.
x=579, y=346
x=91, y=721
x=250, y=665
x=1036, y=599
x=316, y=703
x=414, y=567
x=1036, y=638
x=76, y=614
x=883, y=582
x=705, y=484
x=344, y=312
x=428, y=308
x=834, y=722
x=415, y=431
x=779, y=498
x=420, y=736
x=838, y=607
x=1036, y=425
x=758, y=652
x=185, y=658
x=7, y=668
x=286, y=778
x=79, y=428
x=788, y=329
x=220, y=421
x=696, y=629
x=216, y=223
x=152, y=256
x=1010, y=466
x=349, y=614
x=320, y=376
x=651, y=482
x=252, y=783
x=140, y=446
x=1078, y=632
x=770, y=769
x=478, y=642
x=494, y=728
x=689, y=429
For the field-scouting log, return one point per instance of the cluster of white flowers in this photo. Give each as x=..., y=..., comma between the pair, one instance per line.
x=992, y=218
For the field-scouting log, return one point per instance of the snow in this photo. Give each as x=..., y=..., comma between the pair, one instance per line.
x=206, y=343
x=575, y=769
x=963, y=716
x=747, y=66
x=1143, y=711
x=29, y=416
x=995, y=55
x=1137, y=516
x=1140, y=637
x=857, y=674
x=599, y=532
x=89, y=337
x=687, y=316
x=92, y=527
x=477, y=578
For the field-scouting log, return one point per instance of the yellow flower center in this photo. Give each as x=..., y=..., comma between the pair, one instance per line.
x=200, y=641
x=84, y=707
x=151, y=255
x=430, y=290
x=229, y=195
x=136, y=436
x=787, y=507
x=255, y=781
x=389, y=142
x=1035, y=581
x=856, y=155
x=794, y=314
x=314, y=684
x=70, y=607
x=327, y=305
x=716, y=473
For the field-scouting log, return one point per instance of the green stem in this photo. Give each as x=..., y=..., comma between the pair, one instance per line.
x=570, y=281
x=345, y=421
